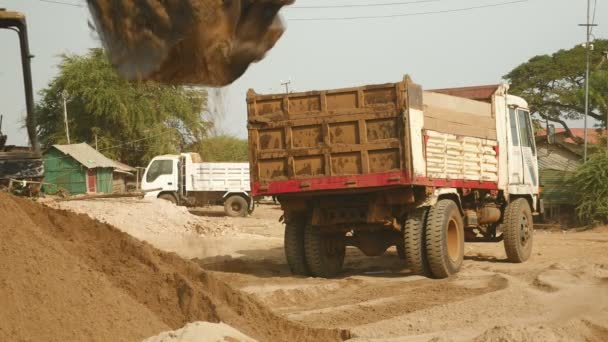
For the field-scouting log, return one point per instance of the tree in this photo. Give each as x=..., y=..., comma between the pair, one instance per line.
x=590, y=182
x=554, y=85
x=222, y=148
x=133, y=121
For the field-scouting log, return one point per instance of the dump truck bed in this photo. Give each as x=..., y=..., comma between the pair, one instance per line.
x=370, y=137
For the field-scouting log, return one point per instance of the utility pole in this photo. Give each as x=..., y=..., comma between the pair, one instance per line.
x=96, y=142
x=65, y=114
x=588, y=25
x=286, y=84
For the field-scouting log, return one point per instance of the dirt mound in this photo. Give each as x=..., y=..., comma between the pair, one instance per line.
x=65, y=276
x=199, y=331
x=187, y=41
x=142, y=218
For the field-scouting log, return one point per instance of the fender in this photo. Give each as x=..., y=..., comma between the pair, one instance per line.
x=228, y=193
x=246, y=194
x=438, y=194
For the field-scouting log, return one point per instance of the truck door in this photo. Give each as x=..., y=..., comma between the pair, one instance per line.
x=528, y=151
x=162, y=174
x=515, y=158
x=523, y=166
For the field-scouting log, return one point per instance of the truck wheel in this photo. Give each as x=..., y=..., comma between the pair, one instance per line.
x=235, y=206
x=518, y=230
x=414, y=242
x=324, y=253
x=294, y=247
x=168, y=197
x=444, y=239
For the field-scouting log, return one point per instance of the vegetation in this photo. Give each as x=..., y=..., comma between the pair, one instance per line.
x=223, y=148
x=591, y=184
x=553, y=84
x=133, y=121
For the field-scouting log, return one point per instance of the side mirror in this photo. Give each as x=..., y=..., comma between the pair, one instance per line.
x=551, y=134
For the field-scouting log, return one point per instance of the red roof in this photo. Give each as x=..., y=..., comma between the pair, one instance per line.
x=593, y=135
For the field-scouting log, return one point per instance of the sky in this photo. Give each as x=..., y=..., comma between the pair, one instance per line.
x=450, y=49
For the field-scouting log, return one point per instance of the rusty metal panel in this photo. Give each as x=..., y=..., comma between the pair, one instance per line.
x=272, y=139
x=384, y=160
x=382, y=129
x=344, y=100
x=304, y=104
x=344, y=133
x=273, y=169
x=330, y=133
x=309, y=166
x=346, y=164
x=307, y=136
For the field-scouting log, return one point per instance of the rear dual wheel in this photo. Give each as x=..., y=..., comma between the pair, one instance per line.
x=311, y=253
x=434, y=240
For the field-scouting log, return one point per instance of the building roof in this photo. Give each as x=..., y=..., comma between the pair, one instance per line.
x=123, y=167
x=87, y=156
x=593, y=135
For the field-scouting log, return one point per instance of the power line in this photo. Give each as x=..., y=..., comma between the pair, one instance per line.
x=409, y=14
x=62, y=3
x=593, y=20
x=363, y=5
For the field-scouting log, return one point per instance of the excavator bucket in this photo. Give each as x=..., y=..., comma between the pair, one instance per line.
x=202, y=42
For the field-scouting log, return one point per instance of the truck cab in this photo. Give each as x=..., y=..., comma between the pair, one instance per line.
x=185, y=180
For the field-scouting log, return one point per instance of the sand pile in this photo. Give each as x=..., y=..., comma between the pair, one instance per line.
x=207, y=42
x=212, y=332
x=141, y=218
x=65, y=276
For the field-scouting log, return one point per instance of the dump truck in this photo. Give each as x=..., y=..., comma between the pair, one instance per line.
x=186, y=180
x=18, y=163
x=392, y=165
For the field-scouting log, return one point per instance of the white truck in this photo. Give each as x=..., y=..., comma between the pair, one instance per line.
x=392, y=165
x=185, y=180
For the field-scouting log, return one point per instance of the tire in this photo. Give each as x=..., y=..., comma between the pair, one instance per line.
x=414, y=241
x=518, y=231
x=324, y=253
x=236, y=206
x=294, y=247
x=401, y=252
x=168, y=197
x=444, y=239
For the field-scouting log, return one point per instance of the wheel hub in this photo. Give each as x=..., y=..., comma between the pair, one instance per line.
x=525, y=230
x=453, y=238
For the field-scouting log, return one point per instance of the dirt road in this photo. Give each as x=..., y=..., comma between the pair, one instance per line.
x=561, y=294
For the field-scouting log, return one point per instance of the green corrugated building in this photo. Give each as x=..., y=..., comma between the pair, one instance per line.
x=78, y=168
x=557, y=163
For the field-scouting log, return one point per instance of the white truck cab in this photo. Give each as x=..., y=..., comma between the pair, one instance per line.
x=185, y=180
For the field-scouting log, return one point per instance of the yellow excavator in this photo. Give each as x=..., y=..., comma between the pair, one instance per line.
x=21, y=165
x=196, y=42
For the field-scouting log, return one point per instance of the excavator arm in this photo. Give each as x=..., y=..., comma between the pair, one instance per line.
x=206, y=42
x=16, y=21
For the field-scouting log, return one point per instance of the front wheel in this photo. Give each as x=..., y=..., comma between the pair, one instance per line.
x=518, y=231
x=168, y=197
x=236, y=206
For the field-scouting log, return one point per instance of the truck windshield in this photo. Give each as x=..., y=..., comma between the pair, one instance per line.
x=159, y=168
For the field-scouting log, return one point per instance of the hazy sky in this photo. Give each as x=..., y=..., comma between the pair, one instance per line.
x=438, y=50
